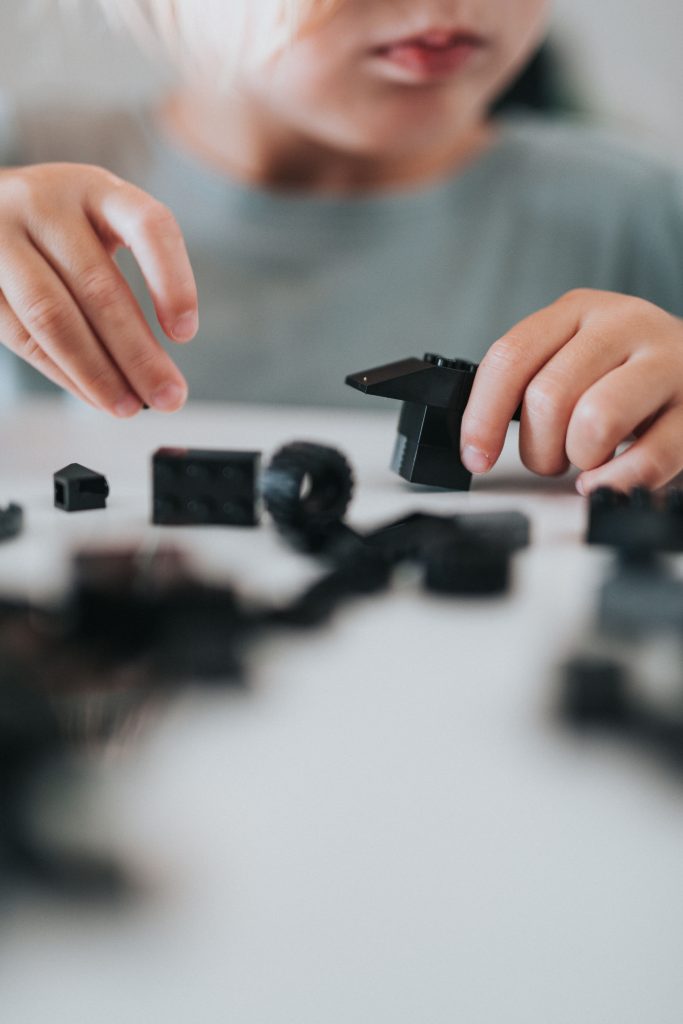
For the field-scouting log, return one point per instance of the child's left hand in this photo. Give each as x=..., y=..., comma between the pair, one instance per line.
x=592, y=370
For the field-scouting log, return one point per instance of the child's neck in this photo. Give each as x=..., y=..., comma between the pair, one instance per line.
x=244, y=143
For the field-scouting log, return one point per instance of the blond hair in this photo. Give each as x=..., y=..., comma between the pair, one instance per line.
x=236, y=32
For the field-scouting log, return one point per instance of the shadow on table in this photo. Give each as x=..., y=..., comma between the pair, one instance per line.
x=525, y=482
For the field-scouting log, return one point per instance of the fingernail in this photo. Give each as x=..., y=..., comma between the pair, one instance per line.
x=169, y=397
x=581, y=487
x=475, y=460
x=127, y=407
x=186, y=327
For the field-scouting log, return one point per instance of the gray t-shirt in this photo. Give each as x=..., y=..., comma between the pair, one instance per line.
x=298, y=291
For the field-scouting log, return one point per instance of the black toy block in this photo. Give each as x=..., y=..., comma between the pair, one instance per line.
x=78, y=489
x=412, y=537
x=455, y=568
x=599, y=693
x=205, y=487
x=11, y=522
x=461, y=555
x=595, y=692
x=131, y=607
x=33, y=745
x=638, y=521
x=435, y=392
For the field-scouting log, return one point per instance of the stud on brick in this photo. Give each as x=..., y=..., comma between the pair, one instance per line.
x=78, y=489
x=195, y=487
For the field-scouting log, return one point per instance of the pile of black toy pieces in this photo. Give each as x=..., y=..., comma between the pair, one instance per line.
x=136, y=624
x=640, y=605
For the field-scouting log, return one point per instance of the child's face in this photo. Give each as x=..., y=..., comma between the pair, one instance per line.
x=382, y=76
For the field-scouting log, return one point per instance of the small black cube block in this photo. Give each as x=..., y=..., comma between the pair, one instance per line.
x=78, y=489
x=205, y=488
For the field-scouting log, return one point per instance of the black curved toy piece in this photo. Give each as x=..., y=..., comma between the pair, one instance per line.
x=307, y=489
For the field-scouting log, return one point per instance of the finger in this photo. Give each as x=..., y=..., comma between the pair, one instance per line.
x=17, y=340
x=551, y=397
x=612, y=409
x=149, y=229
x=506, y=370
x=48, y=313
x=76, y=253
x=651, y=461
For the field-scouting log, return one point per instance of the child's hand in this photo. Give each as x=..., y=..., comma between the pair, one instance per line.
x=64, y=305
x=593, y=369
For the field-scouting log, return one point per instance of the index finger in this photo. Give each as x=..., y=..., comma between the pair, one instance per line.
x=504, y=375
x=149, y=229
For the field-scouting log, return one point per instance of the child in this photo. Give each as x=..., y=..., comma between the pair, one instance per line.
x=346, y=200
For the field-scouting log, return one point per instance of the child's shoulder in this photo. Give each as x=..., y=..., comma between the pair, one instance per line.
x=588, y=155
x=582, y=179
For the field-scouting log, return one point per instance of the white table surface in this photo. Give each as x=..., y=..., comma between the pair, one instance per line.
x=391, y=826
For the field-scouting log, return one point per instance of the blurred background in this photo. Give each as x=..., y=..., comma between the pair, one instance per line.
x=618, y=58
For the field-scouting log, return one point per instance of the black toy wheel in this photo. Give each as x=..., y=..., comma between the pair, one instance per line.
x=307, y=489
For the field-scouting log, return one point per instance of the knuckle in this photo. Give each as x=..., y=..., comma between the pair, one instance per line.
x=593, y=435
x=593, y=423
x=147, y=366
x=575, y=295
x=543, y=400
x=143, y=361
x=542, y=451
x=31, y=352
x=102, y=175
x=545, y=463
x=98, y=286
x=155, y=216
x=652, y=467
x=32, y=190
x=20, y=196
x=635, y=305
x=45, y=315
x=506, y=354
x=102, y=381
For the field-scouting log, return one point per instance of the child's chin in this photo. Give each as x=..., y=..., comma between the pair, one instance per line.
x=402, y=132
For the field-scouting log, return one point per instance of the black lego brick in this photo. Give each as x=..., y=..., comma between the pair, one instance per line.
x=205, y=487
x=434, y=392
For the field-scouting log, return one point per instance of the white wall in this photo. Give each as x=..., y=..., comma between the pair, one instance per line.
x=623, y=54
x=45, y=51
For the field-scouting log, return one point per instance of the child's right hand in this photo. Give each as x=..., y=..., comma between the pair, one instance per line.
x=66, y=308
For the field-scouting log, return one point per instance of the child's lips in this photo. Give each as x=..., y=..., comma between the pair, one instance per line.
x=432, y=55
